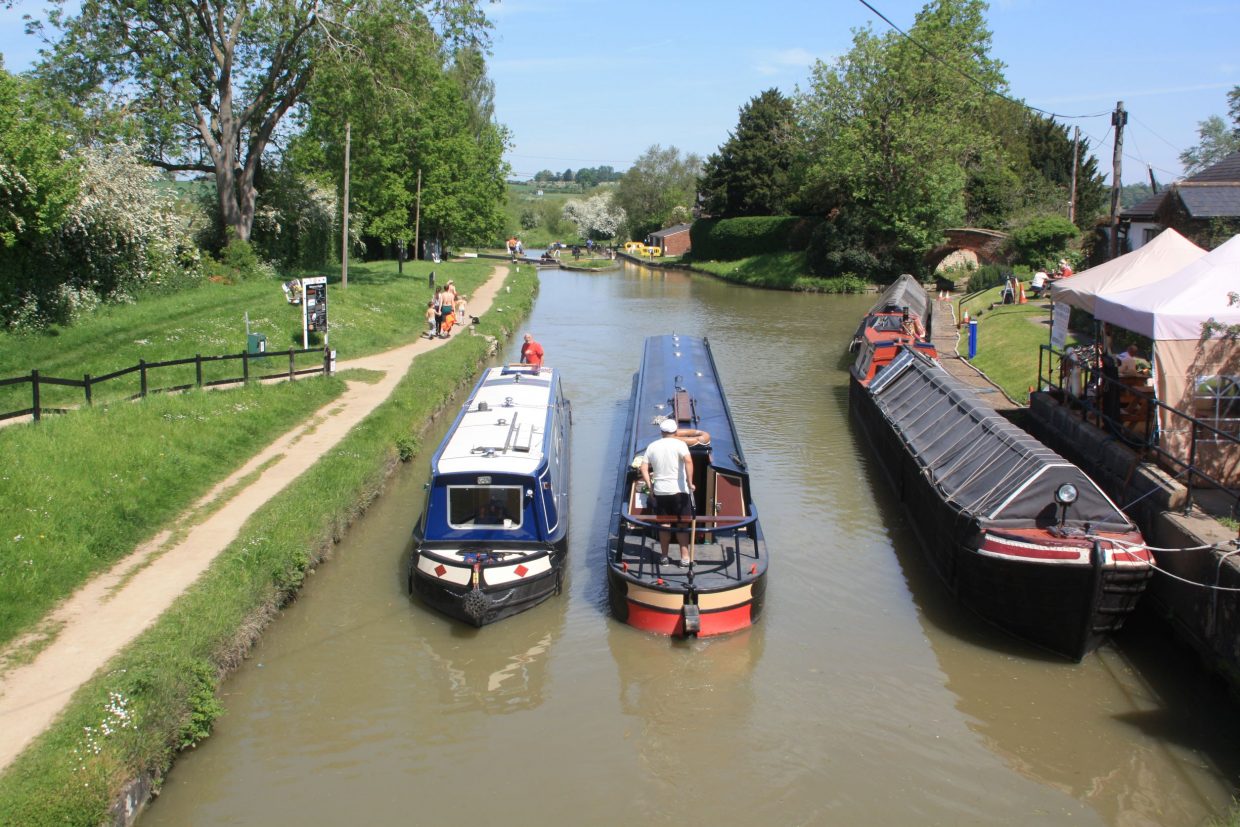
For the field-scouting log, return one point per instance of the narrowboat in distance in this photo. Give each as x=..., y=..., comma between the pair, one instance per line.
x=1020, y=536
x=724, y=586
x=493, y=535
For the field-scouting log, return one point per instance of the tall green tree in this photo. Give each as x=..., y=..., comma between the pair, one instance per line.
x=892, y=127
x=658, y=183
x=211, y=82
x=753, y=172
x=413, y=106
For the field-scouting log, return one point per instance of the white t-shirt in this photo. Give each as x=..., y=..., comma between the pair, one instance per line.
x=666, y=469
x=1039, y=279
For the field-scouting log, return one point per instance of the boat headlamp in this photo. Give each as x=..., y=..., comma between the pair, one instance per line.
x=1065, y=494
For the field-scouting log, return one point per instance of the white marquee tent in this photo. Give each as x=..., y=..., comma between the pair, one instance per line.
x=1166, y=254
x=1189, y=366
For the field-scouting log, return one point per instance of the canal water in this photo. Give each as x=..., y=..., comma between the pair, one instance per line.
x=863, y=695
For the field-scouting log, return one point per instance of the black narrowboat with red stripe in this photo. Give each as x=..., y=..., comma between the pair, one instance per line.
x=1020, y=535
x=723, y=587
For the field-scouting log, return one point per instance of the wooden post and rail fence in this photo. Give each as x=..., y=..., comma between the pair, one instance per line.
x=37, y=382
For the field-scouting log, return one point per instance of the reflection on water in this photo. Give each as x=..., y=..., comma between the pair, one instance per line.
x=488, y=676
x=864, y=695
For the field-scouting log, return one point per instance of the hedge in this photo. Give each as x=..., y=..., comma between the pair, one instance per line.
x=728, y=239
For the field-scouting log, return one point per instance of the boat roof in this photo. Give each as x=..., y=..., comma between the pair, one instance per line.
x=905, y=291
x=502, y=427
x=671, y=363
x=978, y=460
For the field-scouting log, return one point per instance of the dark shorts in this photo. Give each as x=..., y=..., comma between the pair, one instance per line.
x=673, y=505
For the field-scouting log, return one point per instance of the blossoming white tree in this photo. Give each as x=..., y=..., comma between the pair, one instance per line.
x=597, y=217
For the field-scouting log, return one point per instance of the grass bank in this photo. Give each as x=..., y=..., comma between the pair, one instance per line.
x=777, y=271
x=377, y=311
x=1008, y=337
x=82, y=490
x=158, y=696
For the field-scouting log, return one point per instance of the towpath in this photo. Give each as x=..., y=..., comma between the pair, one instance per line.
x=947, y=341
x=115, y=607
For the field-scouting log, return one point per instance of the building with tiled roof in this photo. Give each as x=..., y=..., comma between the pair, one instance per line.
x=1204, y=208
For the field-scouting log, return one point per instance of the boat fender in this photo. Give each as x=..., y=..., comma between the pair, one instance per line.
x=476, y=604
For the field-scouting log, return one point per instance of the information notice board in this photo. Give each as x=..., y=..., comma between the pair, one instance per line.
x=313, y=308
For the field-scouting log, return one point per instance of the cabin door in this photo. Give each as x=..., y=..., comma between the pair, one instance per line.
x=727, y=497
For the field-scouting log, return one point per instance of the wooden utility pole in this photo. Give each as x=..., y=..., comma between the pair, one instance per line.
x=417, y=219
x=344, y=223
x=1118, y=119
x=1076, y=149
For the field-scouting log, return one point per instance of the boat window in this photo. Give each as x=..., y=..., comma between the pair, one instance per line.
x=492, y=506
x=886, y=323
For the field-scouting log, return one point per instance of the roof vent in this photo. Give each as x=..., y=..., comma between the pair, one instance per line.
x=482, y=406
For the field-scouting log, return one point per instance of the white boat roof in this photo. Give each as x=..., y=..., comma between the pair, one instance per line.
x=504, y=424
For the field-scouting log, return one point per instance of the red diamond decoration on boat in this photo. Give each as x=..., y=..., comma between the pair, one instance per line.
x=441, y=570
x=521, y=571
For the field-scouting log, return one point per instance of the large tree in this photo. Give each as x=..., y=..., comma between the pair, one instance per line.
x=212, y=80
x=892, y=127
x=658, y=183
x=752, y=173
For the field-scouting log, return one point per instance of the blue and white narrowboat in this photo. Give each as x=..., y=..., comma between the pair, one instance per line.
x=493, y=536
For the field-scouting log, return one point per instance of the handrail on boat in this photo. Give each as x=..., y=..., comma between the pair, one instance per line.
x=659, y=521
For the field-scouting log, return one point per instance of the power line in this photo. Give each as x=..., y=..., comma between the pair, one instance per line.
x=990, y=90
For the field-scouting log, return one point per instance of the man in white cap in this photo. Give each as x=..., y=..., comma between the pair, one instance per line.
x=667, y=470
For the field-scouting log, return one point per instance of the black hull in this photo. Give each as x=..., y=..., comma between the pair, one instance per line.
x=1066, y=608
x=480, y=607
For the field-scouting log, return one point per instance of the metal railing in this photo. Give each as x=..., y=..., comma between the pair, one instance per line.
x=1137, y=418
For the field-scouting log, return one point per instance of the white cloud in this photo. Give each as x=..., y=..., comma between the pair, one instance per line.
x=774, y=62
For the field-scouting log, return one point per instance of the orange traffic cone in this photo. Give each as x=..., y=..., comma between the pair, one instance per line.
x=964, y=320
x=1022, y=299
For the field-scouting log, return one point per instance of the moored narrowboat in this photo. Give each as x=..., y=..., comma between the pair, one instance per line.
x=1020, y=535
x=901, y=313
x=493, y=535
x=722, y=587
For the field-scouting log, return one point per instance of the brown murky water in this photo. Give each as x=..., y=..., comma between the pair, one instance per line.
x=863, y=695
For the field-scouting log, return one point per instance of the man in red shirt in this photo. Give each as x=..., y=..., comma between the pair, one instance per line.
x=531, y=352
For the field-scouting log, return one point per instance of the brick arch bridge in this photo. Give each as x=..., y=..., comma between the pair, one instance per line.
x=987, y=245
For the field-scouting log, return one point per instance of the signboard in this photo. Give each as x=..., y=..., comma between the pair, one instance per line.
x=1059, y=324
x=313, y=308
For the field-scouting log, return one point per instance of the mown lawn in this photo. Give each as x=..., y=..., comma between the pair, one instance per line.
x=82, y=490
x=378, y=310
x=1008, y=340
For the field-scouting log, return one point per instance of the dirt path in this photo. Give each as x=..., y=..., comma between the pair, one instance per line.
x=110, y=611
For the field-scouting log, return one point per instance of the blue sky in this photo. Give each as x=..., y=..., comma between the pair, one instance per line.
x=582, y=83
x=588, y=82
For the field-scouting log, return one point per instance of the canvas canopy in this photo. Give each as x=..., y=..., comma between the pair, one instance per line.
x=1189, y=368
x=1165, y=255
x=982, y=464
x=1174, y=307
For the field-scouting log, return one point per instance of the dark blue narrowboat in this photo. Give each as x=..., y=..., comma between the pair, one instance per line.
x=723, y=587
x=493, y=536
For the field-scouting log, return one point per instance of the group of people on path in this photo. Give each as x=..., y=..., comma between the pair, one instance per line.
x=444, y=311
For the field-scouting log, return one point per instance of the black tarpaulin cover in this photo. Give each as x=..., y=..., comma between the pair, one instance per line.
x=904, y=292
x=980, y=462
